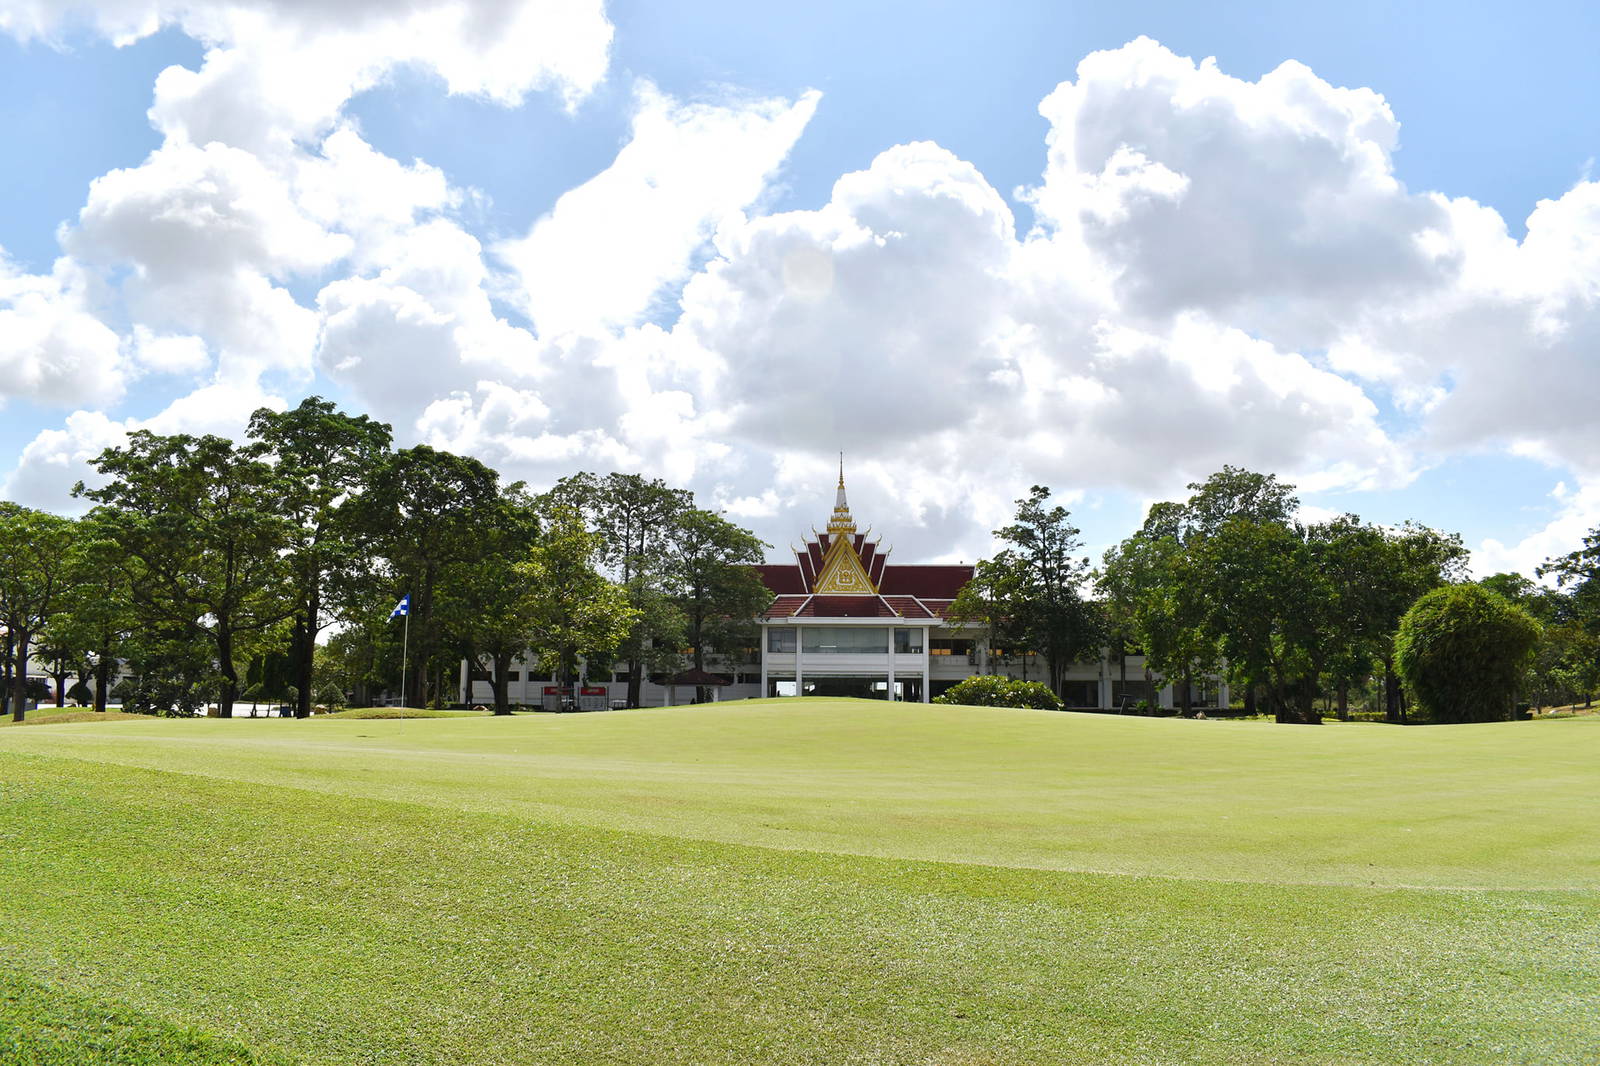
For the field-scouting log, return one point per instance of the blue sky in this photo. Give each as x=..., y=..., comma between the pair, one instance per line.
x=699, y=170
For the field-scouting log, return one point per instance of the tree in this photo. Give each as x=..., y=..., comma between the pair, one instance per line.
x=325, y=460
x=96, y=618
x=1461, y=650
x=1051, y=614
x=34, y=547
x=425, y=510
x=718, y=590
x=1566, y=666
x=989, y=603
x=1153, y=595
x=200, y=522
x=1265, y=607
x=483, y=600
x=572, y=612
x=1577, y=574
x=637, y=520
x=1419, y=559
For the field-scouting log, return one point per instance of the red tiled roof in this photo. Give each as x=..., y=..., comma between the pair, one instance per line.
x=846, y=607
x=925, y=582
x=782, y=579
x=908, y=607
x=940, y=608
x=786, y=606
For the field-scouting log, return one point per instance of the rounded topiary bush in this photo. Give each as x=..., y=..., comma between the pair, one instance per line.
x=991, y=690
x=1461, y=650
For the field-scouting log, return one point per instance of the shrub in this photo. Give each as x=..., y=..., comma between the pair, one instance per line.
x=1461, y=650
x=991, y=690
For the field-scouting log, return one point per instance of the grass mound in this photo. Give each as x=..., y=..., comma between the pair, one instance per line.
x=58, y=716
x=814, y=881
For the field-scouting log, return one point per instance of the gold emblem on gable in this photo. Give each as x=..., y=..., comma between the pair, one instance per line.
x=842, y=570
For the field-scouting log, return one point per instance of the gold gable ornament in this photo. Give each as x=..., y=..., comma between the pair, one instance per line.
x=842, y=570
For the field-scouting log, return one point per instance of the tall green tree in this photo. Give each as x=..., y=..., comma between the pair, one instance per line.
x=1052, y=615
x=96, y=617
x=1265, y=606
x=637, y=519
x=425, y=510
x=1149, y=583
x=483, y=599
x=572, y=611
x=719, y=591
x=200, y=522
x=325, y=461
x=34, y=547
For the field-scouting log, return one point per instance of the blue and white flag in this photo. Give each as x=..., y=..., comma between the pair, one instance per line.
x=403, y=607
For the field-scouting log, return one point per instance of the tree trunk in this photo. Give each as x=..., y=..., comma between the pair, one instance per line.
x=635, y=681
x=60, y=678
x=502, y=665
x=1344, y=701
x=102, y=681
x=1392, y=710
x=1250, y=699
x=230, y=676
x=305, y=651
x=19, y=676
x=1186, y=704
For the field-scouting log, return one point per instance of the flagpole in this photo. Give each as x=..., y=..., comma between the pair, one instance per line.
x=405, y=647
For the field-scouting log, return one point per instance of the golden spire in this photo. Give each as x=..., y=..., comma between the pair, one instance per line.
x=841, y=524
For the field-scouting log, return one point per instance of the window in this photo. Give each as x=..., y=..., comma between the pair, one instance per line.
x=538, y=677
x=845, y=640
x=1080, y=693
x=908, y=642
x=949, y=647
x=747, y=679
x=781, y=639
x=512, y=675
x=1132, y=692
x=621, y=677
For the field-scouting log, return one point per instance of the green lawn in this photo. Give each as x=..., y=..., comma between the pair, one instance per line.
x=799, y=882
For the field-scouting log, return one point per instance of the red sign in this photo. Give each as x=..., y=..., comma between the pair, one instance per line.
x=555, y=690
x=587, y=691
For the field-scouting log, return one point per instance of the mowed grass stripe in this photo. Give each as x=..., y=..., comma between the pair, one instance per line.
x=330, y=928
x=1463, y=807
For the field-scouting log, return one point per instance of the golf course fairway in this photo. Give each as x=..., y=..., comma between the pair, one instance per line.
x=798, y=881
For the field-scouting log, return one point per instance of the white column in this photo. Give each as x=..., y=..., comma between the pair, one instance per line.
x=891, y=664
x=1164, y=697
x=1224, y=697
x=799, y=675
x=927, y=674
x=466, y=684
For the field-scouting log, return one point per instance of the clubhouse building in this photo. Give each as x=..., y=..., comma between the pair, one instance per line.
x=847, y=621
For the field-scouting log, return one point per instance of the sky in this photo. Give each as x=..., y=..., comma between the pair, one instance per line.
x=1103, y=248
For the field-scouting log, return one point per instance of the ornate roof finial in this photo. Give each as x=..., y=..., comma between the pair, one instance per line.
x=841, y=523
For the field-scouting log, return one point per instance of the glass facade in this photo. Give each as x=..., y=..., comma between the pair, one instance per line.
x=844, y=640
x=780, y=639
x=908, y=642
